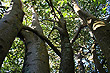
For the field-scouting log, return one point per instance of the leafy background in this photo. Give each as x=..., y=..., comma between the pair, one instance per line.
x=83, y=46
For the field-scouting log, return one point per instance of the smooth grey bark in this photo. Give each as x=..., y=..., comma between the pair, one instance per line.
x=10, y=25
x=100, y=29
x=102, y=35
x=36, y=56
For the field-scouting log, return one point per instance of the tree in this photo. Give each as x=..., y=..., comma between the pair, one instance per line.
x=68, y=37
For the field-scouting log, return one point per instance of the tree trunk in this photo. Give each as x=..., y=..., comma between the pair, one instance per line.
x=97, y=63
x=36, y=56
x=10, y=25
x=101, y=30
x=66, y=55
x=67, y=61
x=102, y=35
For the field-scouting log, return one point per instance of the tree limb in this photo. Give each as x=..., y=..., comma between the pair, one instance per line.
x=108, y=19
x=10, y=25
x=82, y=14
x=70, y=6
x=44, y=38
x=51, y=31
x=59, y=29
x=49, y=20
x=51, y=5
x=76, y=35
x=97, y=63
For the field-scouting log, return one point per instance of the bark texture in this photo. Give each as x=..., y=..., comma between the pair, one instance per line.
x=10, y=25
x=36, y=56
x=66, y=49
x=102, y=35
x=97, y=63
x=101, y=30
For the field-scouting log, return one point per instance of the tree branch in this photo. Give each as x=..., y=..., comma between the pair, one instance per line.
x=44, y=38
x=70, y=6
x=108, y=19
x=51, y=31
x=76, y=35
x=97, y=63
x=59, y=12
x=55, y=8
x=51, y=5
x=82, y=14
x=50, y=20
x=59, y=29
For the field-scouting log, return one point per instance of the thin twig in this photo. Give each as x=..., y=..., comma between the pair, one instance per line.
x=49, y=20
x=51, y=31
x=51, y=5
x=70, y=6
x=59, y=12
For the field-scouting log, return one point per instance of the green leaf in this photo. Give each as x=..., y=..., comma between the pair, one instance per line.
x=102, y=1
x=60, y=2
x=94, y=0
x=104, y=10
x=65, y=1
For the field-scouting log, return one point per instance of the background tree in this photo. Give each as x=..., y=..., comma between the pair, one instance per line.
x=76, y=34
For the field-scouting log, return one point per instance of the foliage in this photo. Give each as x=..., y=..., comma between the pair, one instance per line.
x=14, y=61
x=83, y=51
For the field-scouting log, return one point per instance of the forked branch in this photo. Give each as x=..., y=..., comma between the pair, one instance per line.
x=44, y=38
